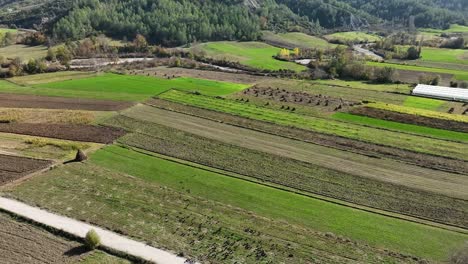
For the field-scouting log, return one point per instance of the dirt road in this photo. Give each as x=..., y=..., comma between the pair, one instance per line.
x=77, y=228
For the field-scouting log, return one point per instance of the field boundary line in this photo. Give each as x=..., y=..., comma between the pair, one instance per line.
x=79, y=229
x=225, y=173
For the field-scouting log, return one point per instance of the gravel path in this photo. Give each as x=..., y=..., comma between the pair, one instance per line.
x=77, y=228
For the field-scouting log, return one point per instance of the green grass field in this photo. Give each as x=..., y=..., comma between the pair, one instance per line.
x=352, y=36
x=372, y=135
x=295, y=39
x=455, y=56
x=5, y=30
x=362, y=226
x=25, y=53
x=453, y=29
x=419, y=111
x=396, y=126
x=458, y=74
x=51, y=77
x=423, y=103
x=123, y=87
x=254, y=54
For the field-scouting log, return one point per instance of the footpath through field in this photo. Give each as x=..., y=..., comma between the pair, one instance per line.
x=77, y=228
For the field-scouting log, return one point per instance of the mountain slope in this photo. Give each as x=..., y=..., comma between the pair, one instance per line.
x=176, y=22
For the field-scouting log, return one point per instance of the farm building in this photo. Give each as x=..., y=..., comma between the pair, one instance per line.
x=441, y=92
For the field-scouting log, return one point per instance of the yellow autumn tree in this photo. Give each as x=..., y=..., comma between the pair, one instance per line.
x=284, y=53
x=296, y=52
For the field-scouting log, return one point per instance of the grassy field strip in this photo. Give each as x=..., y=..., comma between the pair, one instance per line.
x=293, y=40
x=35, y=79
x=424, y=103
x=414, y=177
x=363, y=226
x=400, y=88
x=459, y=75
x=122, y=87
x=419, y=111
x=25, y=53
x=295, y=191
x=389, y=138
x=454, y=28
x=456, y=56
x=254, y=54
x=405, y=128
x=355, y=36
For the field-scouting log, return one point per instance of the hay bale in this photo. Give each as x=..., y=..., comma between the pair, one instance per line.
x=80, y=156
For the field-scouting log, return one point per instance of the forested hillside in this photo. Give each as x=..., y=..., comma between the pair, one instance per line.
x=176, y=22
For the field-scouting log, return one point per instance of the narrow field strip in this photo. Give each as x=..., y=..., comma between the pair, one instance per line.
x=404, y=128
x=412, y=119
x=83, y=133
x=48, y=102
x=79, y=229
x=14, y=167
x=303, y=167
x=420, y=112
x=376, y=136
x=349, y=145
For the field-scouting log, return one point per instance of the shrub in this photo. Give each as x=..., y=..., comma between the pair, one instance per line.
x=429, y=79
x=92, y=239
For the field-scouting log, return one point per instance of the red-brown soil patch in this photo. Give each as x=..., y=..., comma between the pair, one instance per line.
x=49, y=102
x=84, y=133
x=411, y=119
x=284, y=96
x=12, y=168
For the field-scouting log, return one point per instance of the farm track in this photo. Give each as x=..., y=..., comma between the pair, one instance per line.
x=13, y=168
x=345, y=144
x=263, y=165
x=83, y=133
x=24, y=243
x=49, y=102
x=411, y=119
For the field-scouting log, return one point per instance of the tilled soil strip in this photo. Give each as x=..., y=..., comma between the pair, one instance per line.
x=83, y=133
x=420, y=159
x=12, y=167
x=49, y=102
x=411, y=119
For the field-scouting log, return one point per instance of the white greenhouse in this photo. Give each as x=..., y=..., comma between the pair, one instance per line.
x=441, y=92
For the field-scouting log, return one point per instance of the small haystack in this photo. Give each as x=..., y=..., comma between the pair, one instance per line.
x=80, y=156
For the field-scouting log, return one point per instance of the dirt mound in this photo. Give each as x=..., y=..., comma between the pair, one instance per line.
x=84, y=133
x=46, y=102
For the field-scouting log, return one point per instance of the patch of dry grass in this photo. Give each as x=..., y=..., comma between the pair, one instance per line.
x=35, y=116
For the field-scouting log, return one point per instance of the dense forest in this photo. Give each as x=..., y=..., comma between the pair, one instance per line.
x=176, y=22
